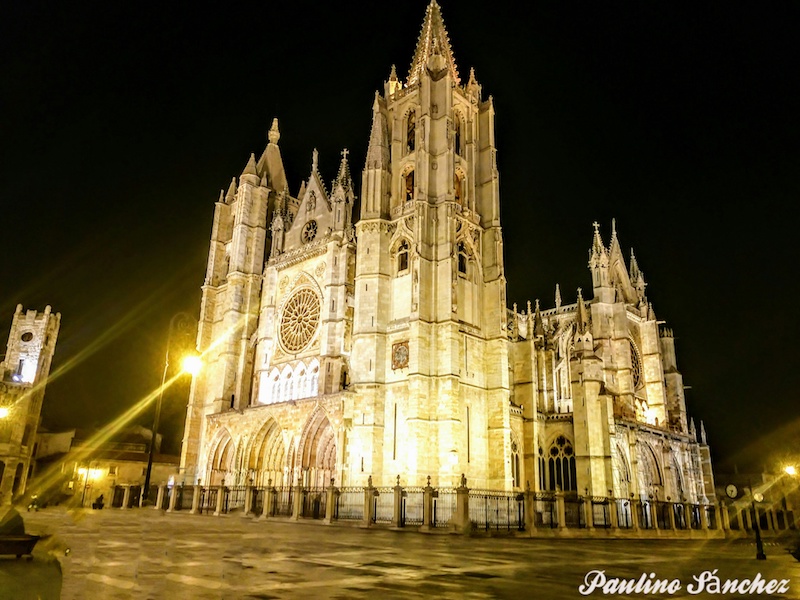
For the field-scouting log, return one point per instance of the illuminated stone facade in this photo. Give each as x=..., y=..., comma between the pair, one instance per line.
x=382, y=346
x=25, y=369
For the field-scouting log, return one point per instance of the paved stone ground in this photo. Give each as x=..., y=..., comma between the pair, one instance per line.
x=146, y=554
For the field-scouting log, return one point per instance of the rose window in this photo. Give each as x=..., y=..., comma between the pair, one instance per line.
x=299, y=320
x=309, y=232
x=636, y=366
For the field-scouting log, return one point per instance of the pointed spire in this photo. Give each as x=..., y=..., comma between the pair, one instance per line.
x=703, y=439
x=582, y=317
x=221, y=196
x=378, y=150
x=634, y=270
x=558, y=297
x=692, y=430
x=473, y=87
x=614, y=244
x=250, y=168
x=393, y=85
x=433, y=41
x=302, y=191
x=231, y=191
x=598, y=249
x=538, y=324
x=274, y=133
x=344, y=170
x=314, y=160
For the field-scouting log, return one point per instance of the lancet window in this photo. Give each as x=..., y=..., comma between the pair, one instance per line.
x=463, y=259
x=411, y=131
x=561, y=465
x=296, y=383
x=402, y=256
x=409, y=186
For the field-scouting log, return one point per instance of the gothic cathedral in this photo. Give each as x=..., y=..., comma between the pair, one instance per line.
x=342, y=346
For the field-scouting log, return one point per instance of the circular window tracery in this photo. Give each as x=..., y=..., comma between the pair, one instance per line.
x=299, y=320
x=27, y=336
x=309, y=232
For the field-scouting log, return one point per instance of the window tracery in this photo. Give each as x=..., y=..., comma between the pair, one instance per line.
x=299, y=320
x=561, y=465
x=402, y=256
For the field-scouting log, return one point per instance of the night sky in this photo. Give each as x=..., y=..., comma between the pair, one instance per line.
x=120, y=122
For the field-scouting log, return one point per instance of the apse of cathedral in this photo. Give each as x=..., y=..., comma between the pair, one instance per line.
x=342, y=347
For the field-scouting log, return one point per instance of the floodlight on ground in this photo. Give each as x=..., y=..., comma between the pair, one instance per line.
x=790, y=470
x=3, y=412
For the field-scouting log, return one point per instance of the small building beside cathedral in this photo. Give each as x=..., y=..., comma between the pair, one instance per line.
x=25, y=368
x=342, y=346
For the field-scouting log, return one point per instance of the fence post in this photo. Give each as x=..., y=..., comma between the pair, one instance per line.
x=427, y=506
x=671, y=515
x=397, y=517
x=333, y=500
x=196, y=498
x=220, y=500
x=588, y=511
x=703, y=517
x=561, y=509
x=635, y=504
x=270, y=493
x=463, y=523
x=160, y=497
x=530, y=509
x=369, y=503
x=173, y=497
x=297, y=504
x=687, y=516
x=248, y=499
x=724, y=518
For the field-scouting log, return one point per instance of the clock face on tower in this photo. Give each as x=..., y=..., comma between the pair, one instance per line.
x=400, y=355
x=731, y=491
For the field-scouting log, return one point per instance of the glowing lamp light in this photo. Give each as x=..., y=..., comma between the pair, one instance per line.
x=3, y=412
x=790, y=470
x=90, y=473
x=192, y=365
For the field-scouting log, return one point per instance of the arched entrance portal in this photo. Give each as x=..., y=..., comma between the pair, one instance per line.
x=267, y=460
x=316, y=455
x=221, y=466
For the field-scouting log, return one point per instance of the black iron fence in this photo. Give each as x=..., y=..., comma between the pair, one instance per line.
x=457, y=508
x=492, y=510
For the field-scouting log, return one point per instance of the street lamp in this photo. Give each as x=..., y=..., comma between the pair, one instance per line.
x=3, y=412
x=790, y=470
x=182, y=324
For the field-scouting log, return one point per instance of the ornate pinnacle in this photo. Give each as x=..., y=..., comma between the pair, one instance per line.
x=433, y=40
x=274, y=133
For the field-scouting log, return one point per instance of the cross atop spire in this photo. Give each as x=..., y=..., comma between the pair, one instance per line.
x=433, y=40
x=344, y=153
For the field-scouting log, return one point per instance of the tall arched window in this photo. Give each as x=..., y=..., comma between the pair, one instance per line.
x=515, y=473
x=409, y=186
x=463, y=258
x=457, y=135
x=542, y=470
x=561, y=465
x=402, y=256
x=411, y=131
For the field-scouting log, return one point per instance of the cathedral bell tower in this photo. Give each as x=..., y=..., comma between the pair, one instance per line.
x=429, y=332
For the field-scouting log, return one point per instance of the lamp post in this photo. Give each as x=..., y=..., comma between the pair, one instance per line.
x=759, y=544
x=186, y=324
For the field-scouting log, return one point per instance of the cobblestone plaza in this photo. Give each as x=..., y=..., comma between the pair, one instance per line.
x=145, y=553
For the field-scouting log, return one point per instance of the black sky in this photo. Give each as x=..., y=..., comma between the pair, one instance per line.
x=120, y=122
